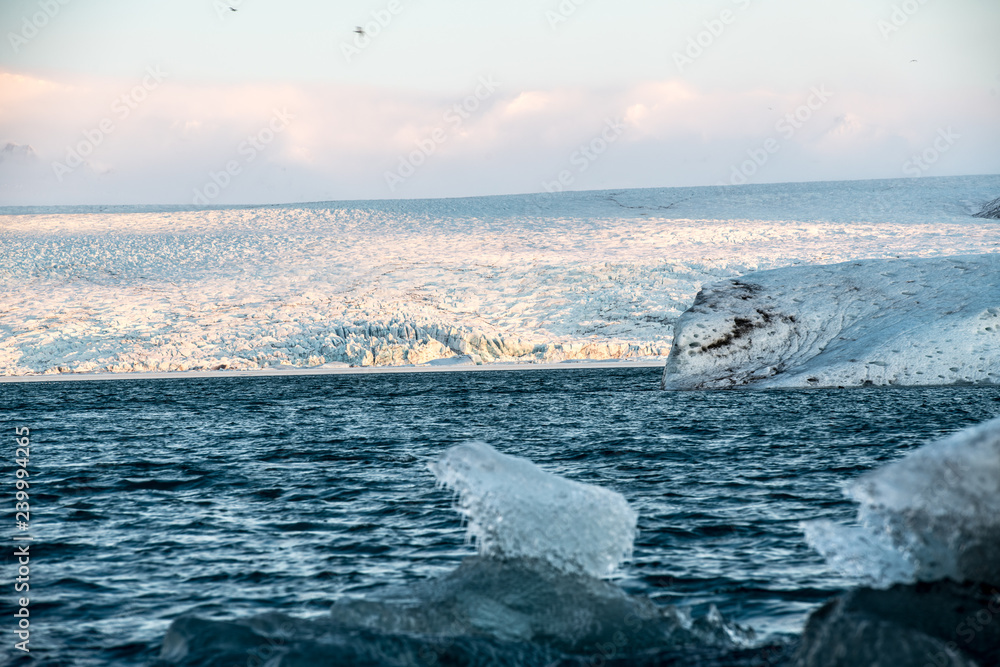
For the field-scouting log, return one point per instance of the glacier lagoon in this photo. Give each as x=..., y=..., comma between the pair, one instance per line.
x=251, y=518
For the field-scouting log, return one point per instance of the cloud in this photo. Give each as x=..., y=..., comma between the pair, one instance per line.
x=155, y=140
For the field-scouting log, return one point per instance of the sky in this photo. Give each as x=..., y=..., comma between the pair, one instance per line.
x=259, y=101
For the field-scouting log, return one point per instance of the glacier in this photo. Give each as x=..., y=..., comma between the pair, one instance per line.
x=930, y=321
x=600, y=275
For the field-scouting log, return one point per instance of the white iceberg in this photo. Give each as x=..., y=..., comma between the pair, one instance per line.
x=873, y=322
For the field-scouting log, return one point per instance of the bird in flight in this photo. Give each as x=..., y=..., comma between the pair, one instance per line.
x=361, y=31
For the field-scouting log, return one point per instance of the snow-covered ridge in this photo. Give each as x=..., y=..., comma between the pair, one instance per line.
x=880, y=322
x=529, y=278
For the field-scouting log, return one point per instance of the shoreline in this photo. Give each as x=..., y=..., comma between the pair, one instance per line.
x=347, y=370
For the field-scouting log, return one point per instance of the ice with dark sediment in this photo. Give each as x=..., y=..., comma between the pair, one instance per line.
x=533, y=596
x=934, y=514
x=904, y=322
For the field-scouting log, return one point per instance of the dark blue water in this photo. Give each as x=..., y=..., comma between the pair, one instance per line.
x=228, y=497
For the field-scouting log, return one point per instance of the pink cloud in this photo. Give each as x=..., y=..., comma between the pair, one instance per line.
x=342, y=139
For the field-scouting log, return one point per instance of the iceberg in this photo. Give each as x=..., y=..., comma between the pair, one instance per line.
x=927, y=545
x=934, y=514
x=939, y=624
x=932, y=321
x=514, y=509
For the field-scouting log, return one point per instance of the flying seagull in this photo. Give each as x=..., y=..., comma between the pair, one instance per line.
x=358, y=29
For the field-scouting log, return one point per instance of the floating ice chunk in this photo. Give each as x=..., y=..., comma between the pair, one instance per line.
x=460, y=360
x=938, y=509
x=857, y=552
x=515, y=509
